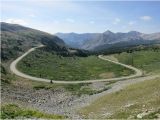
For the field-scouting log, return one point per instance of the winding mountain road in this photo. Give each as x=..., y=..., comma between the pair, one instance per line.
x=14, y=70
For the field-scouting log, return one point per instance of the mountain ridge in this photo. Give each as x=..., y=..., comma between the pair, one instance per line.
x=91, y=41
x=16, y=39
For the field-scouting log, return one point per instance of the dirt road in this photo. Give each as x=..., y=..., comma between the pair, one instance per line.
x=13, y=68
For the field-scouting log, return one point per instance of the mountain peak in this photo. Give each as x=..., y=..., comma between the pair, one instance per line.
x=108, y=32
x=134, y=32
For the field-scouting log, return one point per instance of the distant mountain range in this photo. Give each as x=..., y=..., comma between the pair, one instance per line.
x=102, y=41
x=16, y=39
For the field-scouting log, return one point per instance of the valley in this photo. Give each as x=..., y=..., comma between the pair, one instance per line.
x=79, y=60
x=73, y=68
x=54, y=81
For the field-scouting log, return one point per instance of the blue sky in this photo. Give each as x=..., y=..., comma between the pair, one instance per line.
x=91, y=16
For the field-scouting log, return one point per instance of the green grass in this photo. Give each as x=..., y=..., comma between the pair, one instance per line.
x=75, y=89
x=48, y=65
x=12, y=111
x=81, y=89
x=152, y=115
x=147, y=60
x=142, y=96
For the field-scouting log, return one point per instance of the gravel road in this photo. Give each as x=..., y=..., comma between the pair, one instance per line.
x=13, y=68
x=60, y=102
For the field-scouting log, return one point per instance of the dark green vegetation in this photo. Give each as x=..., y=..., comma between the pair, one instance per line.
x=126, y=46
x=45, y=64
x=137, y=98
x=128, y=103
x=147, y=60
x=78, y=90
x=82, y=89
x=152, y=115
x=6, y=77
x=75, y=89
x=12, y=111
x=17, y=39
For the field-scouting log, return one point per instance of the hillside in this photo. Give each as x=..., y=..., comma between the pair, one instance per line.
x=135, y=101
x=55, y=61
x=148, y=60
x=103, y=41
x=17, y=39
x=48, y=65
x=80, y=59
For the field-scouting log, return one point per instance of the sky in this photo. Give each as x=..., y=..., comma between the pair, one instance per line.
x=83, y=16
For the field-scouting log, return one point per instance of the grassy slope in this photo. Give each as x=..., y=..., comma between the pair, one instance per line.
x=145, y=93
x=17, y=39
x=147, y=60
x=48, y=65
x=141, y=96
x=12, y=111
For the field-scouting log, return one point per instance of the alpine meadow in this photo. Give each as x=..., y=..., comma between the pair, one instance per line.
x=80, y=59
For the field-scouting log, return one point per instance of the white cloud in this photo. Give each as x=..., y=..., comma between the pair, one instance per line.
x=116, y=21
x=16, y=21
x=91, y=22
x=70, y=20
x=146, y=18
x=131, y=23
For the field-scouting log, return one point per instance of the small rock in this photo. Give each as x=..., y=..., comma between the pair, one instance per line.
x=146, y=110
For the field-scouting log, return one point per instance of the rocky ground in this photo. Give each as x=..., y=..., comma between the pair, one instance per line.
x=49, y=101
x=55, y=101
